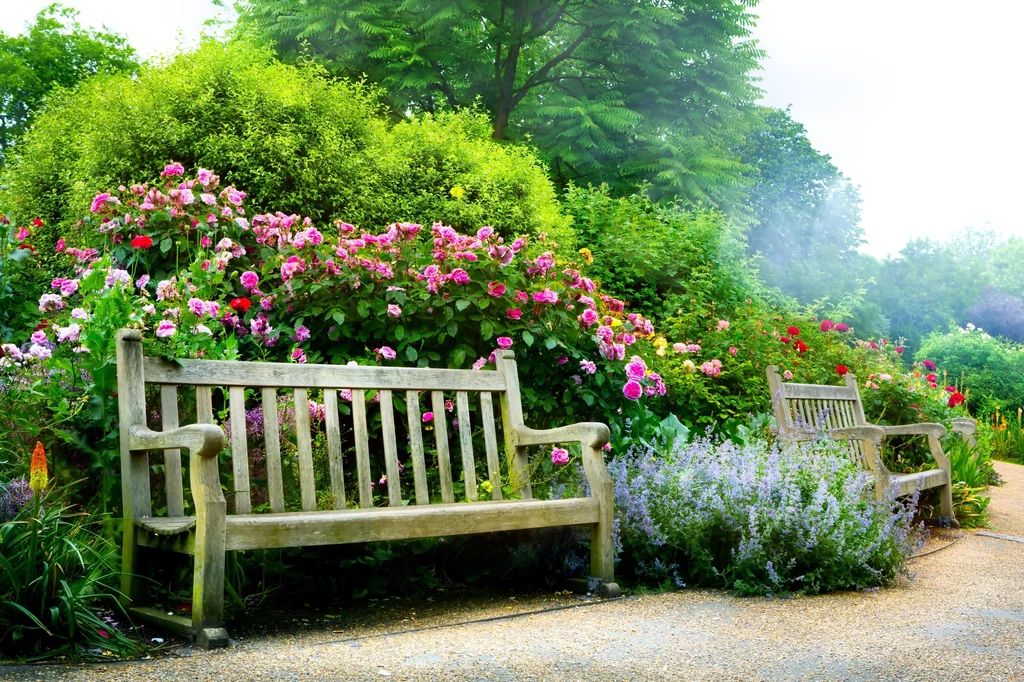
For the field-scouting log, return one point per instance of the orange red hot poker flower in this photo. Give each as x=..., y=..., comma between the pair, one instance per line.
x=39, y=478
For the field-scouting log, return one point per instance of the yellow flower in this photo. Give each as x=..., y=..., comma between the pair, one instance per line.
x=38, y=477
x=457, y=191
x=616, y=322
x=660, y=342
x=587, y=255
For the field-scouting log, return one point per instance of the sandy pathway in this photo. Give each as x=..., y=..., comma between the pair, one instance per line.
x=960, y=617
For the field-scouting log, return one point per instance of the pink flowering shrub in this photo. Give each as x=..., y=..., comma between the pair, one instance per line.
x=184, y=260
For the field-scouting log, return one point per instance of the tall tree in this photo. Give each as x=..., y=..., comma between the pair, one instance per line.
x=611, y=90
x=54, y=51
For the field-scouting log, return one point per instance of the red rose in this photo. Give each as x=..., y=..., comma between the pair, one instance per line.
x=841, y=370
x=827, y=325
x=800, y=346
x=142, y=242
x=872, y=345
x=899, y=349
x=793, y=331
x=842, y=327
x=931, y=378
x=956, y=399
x=36, y=222
x=240, y=305
x=784, y=339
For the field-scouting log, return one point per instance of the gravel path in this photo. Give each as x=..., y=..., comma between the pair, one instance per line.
x=959, y=617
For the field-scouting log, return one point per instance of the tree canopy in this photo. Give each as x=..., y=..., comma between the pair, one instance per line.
x=54, y=51
x=609, y=90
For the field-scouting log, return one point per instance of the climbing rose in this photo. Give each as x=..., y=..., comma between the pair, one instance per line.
x=956, y=399
x=546, y=296
x=301, y=333
x=428, y=417
x=636, y=369
x=827, y=325
x=784, y=339
x=460, y=276
x=165, y=329
x=387, y=352
x=559, y=456
x=929, y=365
x=504, y=342
x=250, y=280
x=394, y=310
x=633, y=390
x=800, y=346
x=793, y=331
x=733, y=350
x=496, y=289
x=723, y=325
x=588, y=366
x=787, y=375
x=689, y=367
x=841, y=370
x=240, y=305
x=931, y=378
x=479, y=364
x=589, y=317
x=899, y=350
x=842, y=327
x=172, y=169
x=514, y=313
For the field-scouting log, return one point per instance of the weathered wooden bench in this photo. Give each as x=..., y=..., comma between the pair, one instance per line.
x=804, y=411
x=212, y=531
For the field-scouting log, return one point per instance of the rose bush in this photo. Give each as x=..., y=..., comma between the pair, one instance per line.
x=184, y=260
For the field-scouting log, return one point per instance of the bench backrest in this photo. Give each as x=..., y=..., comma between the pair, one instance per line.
x=283, y=391
x=803, y=411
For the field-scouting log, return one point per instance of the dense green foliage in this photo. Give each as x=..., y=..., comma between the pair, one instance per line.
x=609, y=91
x=661, y=258
x=53, y=52
x=297, y=140
x=991, y=369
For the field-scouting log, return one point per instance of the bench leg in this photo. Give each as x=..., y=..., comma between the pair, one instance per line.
x=946, y=518
x=602, y=548
x=208, y=582
x=133, y=587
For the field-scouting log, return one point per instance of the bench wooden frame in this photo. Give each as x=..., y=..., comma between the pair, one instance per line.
x=804, y=411
x=212, y=531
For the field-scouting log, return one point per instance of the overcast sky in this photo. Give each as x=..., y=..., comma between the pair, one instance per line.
x=915, y=101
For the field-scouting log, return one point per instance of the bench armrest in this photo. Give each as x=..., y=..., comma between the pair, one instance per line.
x=875, y=434
x=205, y=440
x=591, y=434
x=934, y=430
x=965, y=427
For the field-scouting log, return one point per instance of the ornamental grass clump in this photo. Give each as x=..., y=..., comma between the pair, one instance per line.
x=758, y=519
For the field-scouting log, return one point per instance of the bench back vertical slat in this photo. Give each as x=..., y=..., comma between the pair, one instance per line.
x=387, y=423
x=172, y=458
x=131, y=406
x=419, y=466
x=362, y=447
x=444, y=462
x=272, y=449
x=512, y=417
x=307, y=484
x=491, y=444
x=466, y=445
x=334, y=455
x=239, y=449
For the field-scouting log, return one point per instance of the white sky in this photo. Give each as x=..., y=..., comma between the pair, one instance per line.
x=917, y=102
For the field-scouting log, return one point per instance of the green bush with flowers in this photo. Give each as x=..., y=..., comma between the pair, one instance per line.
x=183, y=259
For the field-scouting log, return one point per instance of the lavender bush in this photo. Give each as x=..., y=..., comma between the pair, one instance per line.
x=758, y=519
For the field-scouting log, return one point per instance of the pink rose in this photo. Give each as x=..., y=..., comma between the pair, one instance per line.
x=504, y=342
x=633, y=390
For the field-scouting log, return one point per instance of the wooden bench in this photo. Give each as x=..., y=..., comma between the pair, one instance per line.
x=804, y=411
x=212, y=530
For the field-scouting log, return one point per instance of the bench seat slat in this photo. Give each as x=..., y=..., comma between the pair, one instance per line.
x=172, y=458
x=814, y=392
x=239, y=450
x=272, y=449
x=387, y=422
x=466, y=445
x=908, y=483
x=491, y=444
x=362, y=448
x=444, y=462
x=334, y=453
x=294, y=529
x=277, y=374
x=304, y=445
x=419, y=466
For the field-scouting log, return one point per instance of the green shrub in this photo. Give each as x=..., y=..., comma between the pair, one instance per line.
x=297, y=140
x=662, y=259
x=56, y=573
x=991, y=369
